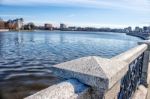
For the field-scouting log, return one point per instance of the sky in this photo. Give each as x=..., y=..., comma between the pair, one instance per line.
x=94, y=13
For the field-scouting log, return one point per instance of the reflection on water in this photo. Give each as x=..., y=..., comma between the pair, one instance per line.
x=26, y=57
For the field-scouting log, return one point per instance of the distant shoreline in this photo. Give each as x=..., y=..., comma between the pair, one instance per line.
x=87, y=32
x=142, y=36
x=7, y=30
x=4, y=30
x=73, y=31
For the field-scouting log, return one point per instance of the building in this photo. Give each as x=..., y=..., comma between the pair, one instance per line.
x=63, y=26
x=19, y=23
x=128, y=29
x=72, y=28
x=146, y=29
x=2, y=24
x=29, y=26
x=137, y=29
x=48, y=27
x=16, y=24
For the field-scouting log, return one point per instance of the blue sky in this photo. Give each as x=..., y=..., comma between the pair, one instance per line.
x=95, y=13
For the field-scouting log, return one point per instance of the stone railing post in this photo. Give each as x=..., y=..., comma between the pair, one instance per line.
x=100, y=74
x=145, y=69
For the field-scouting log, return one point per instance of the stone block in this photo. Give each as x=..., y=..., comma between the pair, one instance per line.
x=100, y=73
x=70, y=89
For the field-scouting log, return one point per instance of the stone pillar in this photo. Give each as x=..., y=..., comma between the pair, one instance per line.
x=145, y=63
x=100, y=74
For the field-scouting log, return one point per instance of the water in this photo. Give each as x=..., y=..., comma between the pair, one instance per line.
x=26, y=57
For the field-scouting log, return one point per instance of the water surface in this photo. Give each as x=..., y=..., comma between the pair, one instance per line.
x=26, y=57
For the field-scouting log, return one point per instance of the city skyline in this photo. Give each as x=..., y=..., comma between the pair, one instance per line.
x=94, y=13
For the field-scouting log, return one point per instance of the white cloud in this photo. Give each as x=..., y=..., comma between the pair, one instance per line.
x=13, y=15
x=136, y=5
x=111, y=25
x=71, y=15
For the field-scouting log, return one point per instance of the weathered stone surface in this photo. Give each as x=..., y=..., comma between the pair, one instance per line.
x=130, y=55
x=112, y=93
x=100, y=73
x=148, y=77
x=145, y=42
x=148, y=81
x=145, y=68
x=141, y=93
x=145, y=62
x=70, y=89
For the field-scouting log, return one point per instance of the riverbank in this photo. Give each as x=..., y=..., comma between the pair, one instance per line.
x=22, y=31
x=7, y=30
x=144, y=36
x=53, y=31
x=4, y=30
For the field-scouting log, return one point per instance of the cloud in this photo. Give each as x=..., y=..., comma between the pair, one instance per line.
x=71, y=15
x=13, y=15
x=136, y=5
x=92, y=24
x=9, y=16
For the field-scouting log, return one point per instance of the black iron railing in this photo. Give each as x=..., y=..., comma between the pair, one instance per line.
x=132, y=79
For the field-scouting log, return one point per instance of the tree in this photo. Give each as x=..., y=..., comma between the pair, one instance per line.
x=29, y=26
x=1, y=19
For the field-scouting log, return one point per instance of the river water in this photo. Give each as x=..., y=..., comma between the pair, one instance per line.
x=26, y=57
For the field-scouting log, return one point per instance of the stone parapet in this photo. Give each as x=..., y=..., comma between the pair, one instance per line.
x=93, y=71
x=70, y=89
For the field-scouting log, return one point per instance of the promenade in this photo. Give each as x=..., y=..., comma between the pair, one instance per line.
x=144, y=36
